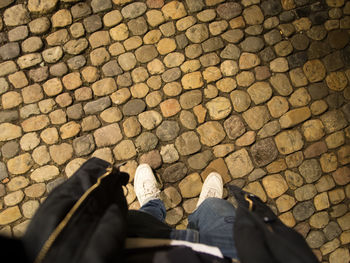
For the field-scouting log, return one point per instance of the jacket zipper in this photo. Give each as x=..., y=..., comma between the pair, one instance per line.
x=49, y=242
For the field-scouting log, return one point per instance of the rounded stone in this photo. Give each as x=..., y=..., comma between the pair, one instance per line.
x=197, y=33
x=240, y=100
x=168, y=130
x=219, y=108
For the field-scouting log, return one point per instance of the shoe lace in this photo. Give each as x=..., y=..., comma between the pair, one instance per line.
x=149, y=189
x=212, y=192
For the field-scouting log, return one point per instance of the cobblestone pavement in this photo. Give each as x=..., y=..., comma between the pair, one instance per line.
x=255, y=89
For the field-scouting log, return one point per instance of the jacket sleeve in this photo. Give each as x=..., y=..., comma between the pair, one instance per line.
x=74, y=213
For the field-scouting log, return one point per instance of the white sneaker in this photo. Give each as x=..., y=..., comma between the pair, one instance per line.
x=212, y=187
x=145, y=184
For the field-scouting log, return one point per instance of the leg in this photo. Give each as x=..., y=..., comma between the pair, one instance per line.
x=214, y=220
x=155, y=208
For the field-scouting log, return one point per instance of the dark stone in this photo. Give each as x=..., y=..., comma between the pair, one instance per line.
x=111, y=69
x=171, y=75
x=267, y=54
x=210, y=59
x=212, y=44
x=200, y=160
x=346, y=110
x=195, y=5
x=101, y=5
x=303, y=228
x=10, y=149
x=190, y=99
x=303, y=210
x=318, y=49
x=181, y=41
x=315, y=149
x=300, y=41
x=264, y=152
x=297, y=59
x=134, y=107
x=252, y=44
x=8, y=116
x=333, y=61
x=318, y=90
x=84, y=145
x=234, y=127
x=138, y=26
x=303, y=11
x=5, y=3
x=229, y=10
x=272, y=37
x=318, y=18
x=39, y=74
x=174, y=173
x=53, y=184
x=75, y=111
x=96, y=106
x=230, y=52
x=346, y=55
x=332, y=230
x=301, y=2
x=315, y=239
x=146, y=142
x=80, y=10
x=9, y=51
x=124, y=80
x=310, y=170
x=3, y=38
x=168, y=130
x=335, y=100
x=92, y=23
x=76, y=62
x=271, y=7
x=338, y=38
x=286, y=16
x=3, y=171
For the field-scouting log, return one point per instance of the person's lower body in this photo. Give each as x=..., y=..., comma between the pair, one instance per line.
x=211, y=223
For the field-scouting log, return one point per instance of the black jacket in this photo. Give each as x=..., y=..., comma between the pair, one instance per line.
x=84, y=220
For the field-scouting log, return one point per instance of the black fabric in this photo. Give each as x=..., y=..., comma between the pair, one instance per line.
x=91, y=222
x=12, y=250
x=261, y=237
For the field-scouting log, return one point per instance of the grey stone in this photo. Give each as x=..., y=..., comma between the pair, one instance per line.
x=171, y=75
x=190, y=99
x=195, y=5
x=29, y=110
x=134, y=107
x=287, y=16
x=212, y=44
x=252, y=44
x=318, y=90
x=84, y=145
x=134, y=10
x=3, y=171
x=267, y=54
x=318, y=49
x=167, y=29
x=18, y=33
x=264, y=152
x=124, y=80
x=303, y=210
x=231, y=52
x=59, y=69
x=273, y=37
x=335, y=100
x=101, y=5
x=187, y=143
x=200, y=160
x=229, y=10
x=80, y=10
x=111, y=69
x=9, y=51
x=138, y=26
x=75, y=111
x=181, y=41
x=10, y=149
x=297, y=59
x=8, y=116
x=146, y=142
x=300, y=41
x=346, y=110
x=174, y=173
x=146, y=53
x=315, y=239
x=271, y=7
x=333, y=61
x=53, y=184
x=210, y=59
x=39, y=74
x=92, y=23
x=332, y=230
x=96, y=106
x=233, y=36
x=76, y=62
x=310, y=170
x=254, y=30
x=168, y=130
x=234, y=127
x=333, y=121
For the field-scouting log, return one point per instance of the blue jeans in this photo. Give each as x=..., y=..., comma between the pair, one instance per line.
x=211, y=224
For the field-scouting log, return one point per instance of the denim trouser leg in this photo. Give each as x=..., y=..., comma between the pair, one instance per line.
x=155, y=208
x=214, y=220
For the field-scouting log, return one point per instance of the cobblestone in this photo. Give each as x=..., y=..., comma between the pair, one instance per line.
x=260, y=85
